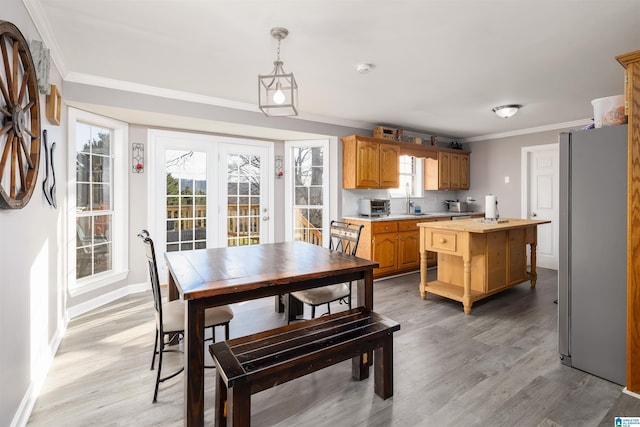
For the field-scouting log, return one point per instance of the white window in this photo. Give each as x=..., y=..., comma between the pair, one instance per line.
x=411, y=179
x=307, y=196
x=98, y=194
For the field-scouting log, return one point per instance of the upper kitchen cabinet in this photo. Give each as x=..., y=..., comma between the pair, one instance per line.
x=368, y=163
x=448, y=171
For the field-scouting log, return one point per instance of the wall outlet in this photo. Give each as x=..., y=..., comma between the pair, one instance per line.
x=506, y=180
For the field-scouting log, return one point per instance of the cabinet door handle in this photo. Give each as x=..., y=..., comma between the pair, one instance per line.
x=443, y=240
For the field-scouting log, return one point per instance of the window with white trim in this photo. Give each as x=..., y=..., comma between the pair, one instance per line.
x=307, y=199
x=410, y=178
x=98, y=194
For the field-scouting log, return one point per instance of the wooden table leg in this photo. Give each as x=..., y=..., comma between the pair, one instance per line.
x=279, y=303
x=173, y=294
x=172, y=290
x=293, y=307
x=194, y=364
x=360, y=364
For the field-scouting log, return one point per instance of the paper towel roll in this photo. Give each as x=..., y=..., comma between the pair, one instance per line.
x=491, y=207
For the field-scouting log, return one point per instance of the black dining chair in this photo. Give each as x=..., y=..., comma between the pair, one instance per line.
x=170, y=316
x=344, y=237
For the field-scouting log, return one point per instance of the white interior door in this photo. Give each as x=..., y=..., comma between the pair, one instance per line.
x=540, y=164
x=245, y=181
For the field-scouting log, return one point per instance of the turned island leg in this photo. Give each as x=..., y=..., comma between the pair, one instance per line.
x=466, y=297
x=466, y=264
x=423, y=274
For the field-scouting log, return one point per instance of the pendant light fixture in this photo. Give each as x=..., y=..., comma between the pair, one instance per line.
x=278, y=91
x=506, y=111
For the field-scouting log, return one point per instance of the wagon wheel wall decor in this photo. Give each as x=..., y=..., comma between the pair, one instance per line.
x=20, y=123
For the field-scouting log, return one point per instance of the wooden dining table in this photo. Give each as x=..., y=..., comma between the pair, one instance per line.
x=217, y=276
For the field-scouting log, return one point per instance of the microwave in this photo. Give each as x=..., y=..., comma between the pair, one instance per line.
x=374, y=207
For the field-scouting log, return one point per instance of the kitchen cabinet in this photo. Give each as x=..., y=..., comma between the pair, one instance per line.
x=395, y=245
x=631, y=63
x=368, y=163
x=447, y=171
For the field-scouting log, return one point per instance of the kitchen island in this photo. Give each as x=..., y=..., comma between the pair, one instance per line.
x=394, y=240
x=477, y=259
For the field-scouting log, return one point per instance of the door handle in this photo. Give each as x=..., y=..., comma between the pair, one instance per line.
x=265, y=218
x=533, y=214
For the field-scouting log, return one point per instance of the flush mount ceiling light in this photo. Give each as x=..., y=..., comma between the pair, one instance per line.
x=364, y=68
x=506, y=111
x=278, y=91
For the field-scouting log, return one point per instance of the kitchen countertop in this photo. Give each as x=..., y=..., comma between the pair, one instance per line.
x=473, y=226
x=400, y=216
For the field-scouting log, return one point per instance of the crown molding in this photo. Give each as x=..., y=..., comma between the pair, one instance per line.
x=555, y=126
x=196, y=98
x=39, y=18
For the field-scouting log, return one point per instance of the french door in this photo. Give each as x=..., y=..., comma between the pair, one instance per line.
x=208, y=191
x=244, y=195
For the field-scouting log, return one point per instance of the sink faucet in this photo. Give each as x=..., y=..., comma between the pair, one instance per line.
x=409, y=201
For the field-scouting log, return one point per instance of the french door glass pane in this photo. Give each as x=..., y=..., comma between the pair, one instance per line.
x=243, y=199
x=308, y=194
x=186, y=200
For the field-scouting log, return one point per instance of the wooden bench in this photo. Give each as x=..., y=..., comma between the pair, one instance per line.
x=260, y=361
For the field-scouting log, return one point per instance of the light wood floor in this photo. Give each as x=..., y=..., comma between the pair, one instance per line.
x=496, y=367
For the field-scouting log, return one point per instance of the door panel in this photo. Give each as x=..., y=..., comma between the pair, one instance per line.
x=384, y=251
x=540, y=199
x=244, y=213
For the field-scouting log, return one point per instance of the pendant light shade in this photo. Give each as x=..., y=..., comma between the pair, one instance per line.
x=506, y=111
x=278, y=91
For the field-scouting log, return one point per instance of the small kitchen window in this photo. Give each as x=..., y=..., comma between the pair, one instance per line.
x=410, y=178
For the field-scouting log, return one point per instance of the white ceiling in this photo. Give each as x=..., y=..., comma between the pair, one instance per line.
x=440, y=66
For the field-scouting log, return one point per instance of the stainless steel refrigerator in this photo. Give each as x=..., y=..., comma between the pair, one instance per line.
x=592, y=274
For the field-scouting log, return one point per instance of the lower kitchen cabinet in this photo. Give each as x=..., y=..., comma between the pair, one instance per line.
x=395, y=245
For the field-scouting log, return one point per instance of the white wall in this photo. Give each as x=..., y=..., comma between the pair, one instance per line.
x=493, y=160
x=32, y=303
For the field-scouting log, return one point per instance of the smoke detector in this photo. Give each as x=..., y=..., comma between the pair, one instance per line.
x=364, y=68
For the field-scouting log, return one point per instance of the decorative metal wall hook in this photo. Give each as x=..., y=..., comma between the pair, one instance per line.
x=49, y=189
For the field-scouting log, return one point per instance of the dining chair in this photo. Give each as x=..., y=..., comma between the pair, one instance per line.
x=343, y=237
x=170, y=316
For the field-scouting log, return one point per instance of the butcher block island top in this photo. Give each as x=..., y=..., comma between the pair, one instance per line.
x=477, y=259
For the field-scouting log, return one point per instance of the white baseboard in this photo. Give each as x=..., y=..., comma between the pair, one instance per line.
x=87, y=306
x=23, y=413
x=630, y=393
x=29, y=400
